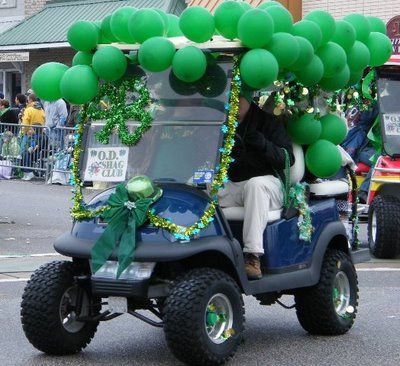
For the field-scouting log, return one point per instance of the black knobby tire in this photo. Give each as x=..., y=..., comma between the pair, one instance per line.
x=385, y=214
x=315, y=307
x=40, y=310
x=185, y=317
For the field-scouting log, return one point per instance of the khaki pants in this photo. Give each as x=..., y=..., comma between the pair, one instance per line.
x=258, y=196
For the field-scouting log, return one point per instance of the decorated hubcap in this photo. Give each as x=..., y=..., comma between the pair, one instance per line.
x=68, y=314
x=341, y=295
x=219, y=319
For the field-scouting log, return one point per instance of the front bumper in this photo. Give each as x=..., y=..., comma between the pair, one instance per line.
x=104, y=287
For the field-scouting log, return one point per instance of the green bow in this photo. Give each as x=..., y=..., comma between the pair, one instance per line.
x=123, y=217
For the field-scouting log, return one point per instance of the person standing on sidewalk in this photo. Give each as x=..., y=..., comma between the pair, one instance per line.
x=56, y=117
x=33, y=114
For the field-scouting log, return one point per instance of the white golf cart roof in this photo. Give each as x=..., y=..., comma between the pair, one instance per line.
x=218, y=43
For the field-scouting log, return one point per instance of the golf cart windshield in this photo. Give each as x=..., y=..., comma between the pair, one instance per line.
x=389, y=105
x=183, y=143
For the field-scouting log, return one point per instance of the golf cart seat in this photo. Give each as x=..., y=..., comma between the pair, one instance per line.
x=338, y=187
x=296, y=175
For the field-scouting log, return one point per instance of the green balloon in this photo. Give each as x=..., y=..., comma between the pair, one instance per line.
x=227, y=18
x=144, y=24
x=311, y=74
x=268, y=4
x=189, y=64
x=259, y=68
x=323, y=159
x=309, y=30
x=164, y=17
x=197, y=24
x=337, y=82
x=120, y=19
x=355, y=77
x=306, y=54
x=246, y=6
x=174, y=30
x=109, y=63
x=376, y=24
x=79, y=85
x=333, y=57
x=325, y=22
x=285, y=48
x=360, y=24
x=304, y=130
x=334, y=128
x=46, y=80
x=83, y=36
x=106, y=29
x=359, y=56
x=82, y=58
x=380, y=47
x=156, y=54
x=255, y=28
x=281, y=17
x=345, y=35
x=102, y=38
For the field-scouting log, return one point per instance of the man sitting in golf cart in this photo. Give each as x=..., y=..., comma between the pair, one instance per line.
x=256, y=175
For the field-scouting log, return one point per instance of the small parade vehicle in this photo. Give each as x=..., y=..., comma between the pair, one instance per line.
x=194, y=286
x=383, y=203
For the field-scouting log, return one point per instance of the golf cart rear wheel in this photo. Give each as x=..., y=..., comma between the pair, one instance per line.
x=48, y=310
x=384, y=227
x=204, y=317
x=330, y=307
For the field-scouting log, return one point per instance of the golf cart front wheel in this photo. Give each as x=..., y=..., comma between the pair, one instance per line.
x=204, y=317
x=384, y=227
x=49, y=311
x=330, y=307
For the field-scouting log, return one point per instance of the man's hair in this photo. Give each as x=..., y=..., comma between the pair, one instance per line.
x=21, y=98
x=32, y=97
x=1, y=96
x=5, y=103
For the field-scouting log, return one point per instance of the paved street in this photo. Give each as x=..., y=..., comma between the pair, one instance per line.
x=273, y=335
x=39, y=213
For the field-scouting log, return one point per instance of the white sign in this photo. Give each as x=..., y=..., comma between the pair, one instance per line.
x=392, y=124
x=106, y=164
x=14, y=56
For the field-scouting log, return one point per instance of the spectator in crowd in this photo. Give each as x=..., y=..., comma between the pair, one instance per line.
x=73, y=116
x=34, y=113
x=33, y=147
x=56, y=117
x=20, y=102
x=7, y=115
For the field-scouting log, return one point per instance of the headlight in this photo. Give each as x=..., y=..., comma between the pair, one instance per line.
x=135, y=271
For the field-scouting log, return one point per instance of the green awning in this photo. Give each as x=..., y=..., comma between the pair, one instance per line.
x=48, y=28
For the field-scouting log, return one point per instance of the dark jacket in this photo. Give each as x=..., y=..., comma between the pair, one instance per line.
x=10, y=116
x=253, y=162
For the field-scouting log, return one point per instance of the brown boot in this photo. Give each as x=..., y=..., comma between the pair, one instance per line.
x=252, y=265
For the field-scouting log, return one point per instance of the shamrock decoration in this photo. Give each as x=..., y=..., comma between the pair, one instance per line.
x=118, y=112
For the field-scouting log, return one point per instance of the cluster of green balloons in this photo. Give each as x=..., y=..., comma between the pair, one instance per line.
x=323, y=158
x=317, y=49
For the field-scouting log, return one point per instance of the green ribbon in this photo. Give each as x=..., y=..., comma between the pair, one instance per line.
x=123, y=218
x=366, y=85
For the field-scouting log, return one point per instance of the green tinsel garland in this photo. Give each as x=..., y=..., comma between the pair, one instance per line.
x=118, y=112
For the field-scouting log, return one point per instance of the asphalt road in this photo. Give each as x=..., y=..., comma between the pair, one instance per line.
x=273, y=335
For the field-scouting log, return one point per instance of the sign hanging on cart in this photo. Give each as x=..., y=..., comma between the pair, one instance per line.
x=106, y=164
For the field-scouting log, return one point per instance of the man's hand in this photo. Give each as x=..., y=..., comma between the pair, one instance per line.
x=255, y=140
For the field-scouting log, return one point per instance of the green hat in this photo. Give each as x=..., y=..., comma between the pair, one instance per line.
x=143, y=187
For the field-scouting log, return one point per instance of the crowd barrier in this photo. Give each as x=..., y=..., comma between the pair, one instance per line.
x=43, y=152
